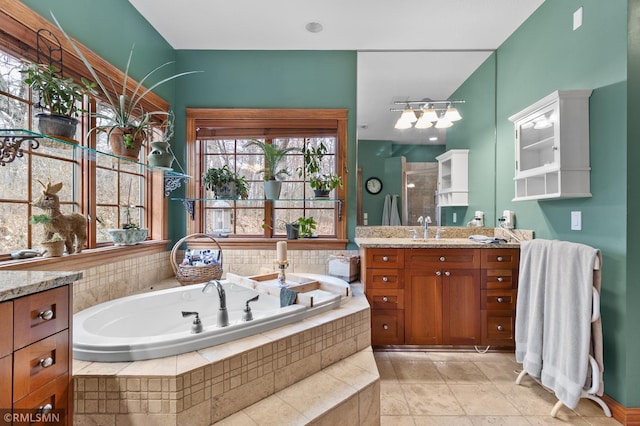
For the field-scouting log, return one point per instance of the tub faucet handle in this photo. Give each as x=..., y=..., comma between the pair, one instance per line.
x=196, y=327
x=246, y=314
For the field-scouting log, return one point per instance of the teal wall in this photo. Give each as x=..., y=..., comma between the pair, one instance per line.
x=374, y=158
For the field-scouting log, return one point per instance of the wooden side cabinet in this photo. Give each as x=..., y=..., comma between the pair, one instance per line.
x=35, y=366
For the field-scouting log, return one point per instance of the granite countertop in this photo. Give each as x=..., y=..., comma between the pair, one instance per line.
x=428, y=243
x=15, y=284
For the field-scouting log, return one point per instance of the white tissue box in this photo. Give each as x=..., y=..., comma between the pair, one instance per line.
x=345, y=267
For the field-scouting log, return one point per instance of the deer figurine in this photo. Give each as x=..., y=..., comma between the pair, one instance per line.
x=69, y=226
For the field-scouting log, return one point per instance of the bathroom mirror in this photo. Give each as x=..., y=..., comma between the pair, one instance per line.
x=385, y=77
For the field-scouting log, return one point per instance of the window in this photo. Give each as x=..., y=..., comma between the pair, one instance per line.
x=220, y=137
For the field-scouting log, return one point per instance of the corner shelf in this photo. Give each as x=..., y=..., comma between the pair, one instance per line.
x=189, y=203
x=11, y=141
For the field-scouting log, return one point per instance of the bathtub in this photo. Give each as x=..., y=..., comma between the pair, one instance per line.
x=151, y=325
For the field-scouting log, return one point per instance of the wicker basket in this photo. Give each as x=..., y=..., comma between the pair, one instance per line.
x=187, y=274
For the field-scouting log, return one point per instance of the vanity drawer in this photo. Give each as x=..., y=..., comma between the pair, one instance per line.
x=6, y=331
x=384, y=278
x=40, y=363
x=451, y=258
x=386, y=299
x=500, y=258
x=40, y=315
x=498, y=328
x=387, y=326
x=55, y=396
x=6, y=382
x=498, y=299
x=497, y=279
x=385, y=258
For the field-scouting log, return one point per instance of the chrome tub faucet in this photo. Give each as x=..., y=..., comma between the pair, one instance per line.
x=223, y=315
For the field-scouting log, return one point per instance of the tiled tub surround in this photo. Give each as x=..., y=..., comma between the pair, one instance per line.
x=202, y=387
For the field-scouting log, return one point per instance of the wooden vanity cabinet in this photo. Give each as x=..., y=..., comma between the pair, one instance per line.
x=36, y=373
x=499, y=281
x=443, y=297
x=383, y=270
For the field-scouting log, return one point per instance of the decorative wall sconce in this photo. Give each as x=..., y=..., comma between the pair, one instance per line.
x=426, y=112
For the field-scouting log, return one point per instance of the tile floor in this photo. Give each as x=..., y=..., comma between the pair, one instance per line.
x=466, y=389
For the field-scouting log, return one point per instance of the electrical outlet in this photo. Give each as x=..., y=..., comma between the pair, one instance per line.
x=576, y=221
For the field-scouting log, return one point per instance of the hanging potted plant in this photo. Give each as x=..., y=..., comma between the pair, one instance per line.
x=321, y=183
x=225, y=183
x=161, y=155
x=127, y=123
x=59, y=96
x=273, y=156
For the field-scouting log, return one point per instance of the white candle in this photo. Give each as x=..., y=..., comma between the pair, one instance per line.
x=281, y=251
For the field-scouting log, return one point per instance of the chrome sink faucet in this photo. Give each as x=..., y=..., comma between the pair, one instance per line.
x=223, y=315
x=425, y=221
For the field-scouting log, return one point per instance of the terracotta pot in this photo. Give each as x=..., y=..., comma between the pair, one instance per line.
x=116, y=139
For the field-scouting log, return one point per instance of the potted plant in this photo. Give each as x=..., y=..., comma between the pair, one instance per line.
x=321, y=183
x=126, y=125
x=129, y=233
x=307, y=226
x=161, y=155
x=54, y=246
x=225, y=183
x=59, y=96
x=273, y=155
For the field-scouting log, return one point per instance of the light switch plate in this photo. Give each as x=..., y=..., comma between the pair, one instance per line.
x=577, y=19
x=576, y=221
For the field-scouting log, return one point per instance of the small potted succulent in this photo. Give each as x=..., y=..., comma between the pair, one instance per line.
x=321, y=183
x=273, y=156
x=225, y=183
x=61, y=97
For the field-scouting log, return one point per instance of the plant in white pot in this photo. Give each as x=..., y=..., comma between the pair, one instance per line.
x=61, y=97
x=129, y=233
x=273, y=156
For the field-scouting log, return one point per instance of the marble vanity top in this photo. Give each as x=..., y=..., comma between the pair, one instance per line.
x=15, y=284
x=429, y=243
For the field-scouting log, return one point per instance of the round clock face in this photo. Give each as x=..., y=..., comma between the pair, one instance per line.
x=373, y=185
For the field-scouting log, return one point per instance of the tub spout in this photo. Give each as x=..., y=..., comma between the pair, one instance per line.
x=246, y=314
x=223, y=315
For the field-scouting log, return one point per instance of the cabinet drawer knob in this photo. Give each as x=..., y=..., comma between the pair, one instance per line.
x=500, y=328
x=385, y=259
x=500, y=300
x=385, y=279
x=46, y=362
x=500, y=279
x=385, y=327
x=442, y=258
x=44, y=409
x=438, y=273
x=46, y=315
x=500, y=259
x=385, y=299
x=447, y=273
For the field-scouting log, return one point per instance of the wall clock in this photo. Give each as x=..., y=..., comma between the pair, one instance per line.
x=373, y=185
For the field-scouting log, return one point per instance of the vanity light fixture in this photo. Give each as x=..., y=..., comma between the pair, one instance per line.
x=427, y=113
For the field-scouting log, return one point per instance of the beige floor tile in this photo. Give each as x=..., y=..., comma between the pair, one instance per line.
x=396, y=421
x=483, y=400
x=458, y=372
x=589, y=408
x=530, y=399
x=548, y=420
x=505, y=371
x=392, y=400
x=601, y=421
x=416, y=371
x=431, y=399
x=385, y=369
x=498, y=421
x=442, y=421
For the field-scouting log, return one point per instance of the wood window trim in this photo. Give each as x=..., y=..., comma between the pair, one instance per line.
x=279, y=119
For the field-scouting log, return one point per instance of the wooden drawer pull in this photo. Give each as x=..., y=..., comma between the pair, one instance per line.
x=500, y=300
x=385, y=327
x=385, y=299
x=46, y=315
x=500, y=279
x=44, y=409
x=500, y=328
x=46, y=362
x=385, y=259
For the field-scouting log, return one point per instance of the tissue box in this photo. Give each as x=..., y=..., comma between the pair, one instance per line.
x=345, y=267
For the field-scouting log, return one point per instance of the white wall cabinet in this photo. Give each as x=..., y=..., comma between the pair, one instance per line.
x=552, y=147
x=453, y=178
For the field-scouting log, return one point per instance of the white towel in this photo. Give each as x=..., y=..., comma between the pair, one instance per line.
x=386, y=211
x=553, y=319
x=395, y=216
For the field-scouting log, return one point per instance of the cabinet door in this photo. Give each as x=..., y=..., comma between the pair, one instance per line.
x=387, y=327
x=423, y=306
x=461, y=306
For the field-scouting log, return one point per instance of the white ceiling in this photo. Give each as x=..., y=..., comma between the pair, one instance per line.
x=400, y=43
